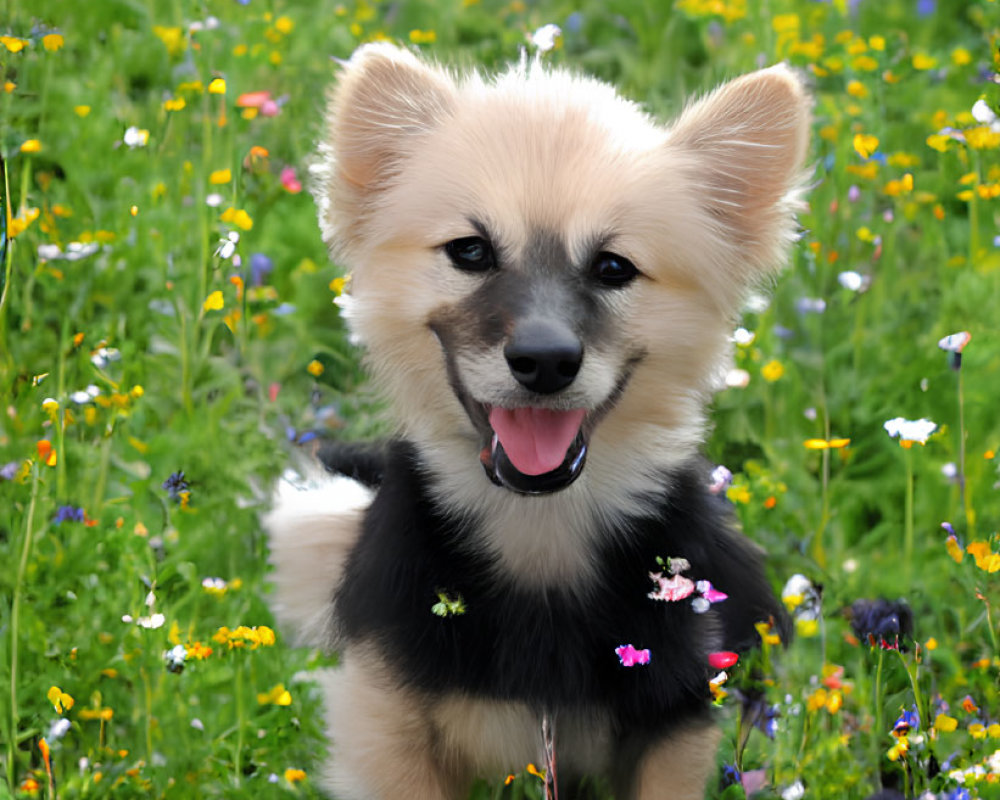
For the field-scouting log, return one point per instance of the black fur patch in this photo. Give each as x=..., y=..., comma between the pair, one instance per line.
x=551, y=649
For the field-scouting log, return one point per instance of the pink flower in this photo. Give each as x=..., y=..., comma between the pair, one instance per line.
x=671, y=589
x=290, y=180
x=629, y=656
x=710, y=593
x=723, y=659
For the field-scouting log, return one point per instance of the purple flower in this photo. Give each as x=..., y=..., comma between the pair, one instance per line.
x=260, y=267
x=908, y=721
x=176, y=485
x=9, y=470
x=68, y=514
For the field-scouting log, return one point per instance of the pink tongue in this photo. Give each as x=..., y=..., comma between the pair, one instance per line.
x=536, y=439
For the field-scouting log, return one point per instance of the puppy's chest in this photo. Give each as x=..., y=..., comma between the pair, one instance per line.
x=450, y=620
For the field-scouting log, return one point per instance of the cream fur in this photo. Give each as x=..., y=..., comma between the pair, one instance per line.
x=703, y=207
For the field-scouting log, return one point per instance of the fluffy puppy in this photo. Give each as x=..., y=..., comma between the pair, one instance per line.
x=544, y=280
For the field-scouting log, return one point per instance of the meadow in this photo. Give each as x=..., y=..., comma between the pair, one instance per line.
x=170, y=345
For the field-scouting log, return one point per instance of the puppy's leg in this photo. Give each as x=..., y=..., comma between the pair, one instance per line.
x=678, y=767
x=382, y=745
x=311, y=530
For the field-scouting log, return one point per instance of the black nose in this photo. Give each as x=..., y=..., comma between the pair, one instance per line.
x=543, y=355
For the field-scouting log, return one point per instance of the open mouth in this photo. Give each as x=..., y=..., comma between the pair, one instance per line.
x=535, y=450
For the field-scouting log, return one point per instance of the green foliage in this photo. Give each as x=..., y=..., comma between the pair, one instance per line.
x=219, y=368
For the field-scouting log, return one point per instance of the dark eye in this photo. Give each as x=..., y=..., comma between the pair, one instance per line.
x=613, y=270
x=471, y=253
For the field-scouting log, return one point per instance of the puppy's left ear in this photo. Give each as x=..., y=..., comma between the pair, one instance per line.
x=746, y=142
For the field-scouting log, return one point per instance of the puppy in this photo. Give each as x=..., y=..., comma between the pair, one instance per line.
x=544, y=280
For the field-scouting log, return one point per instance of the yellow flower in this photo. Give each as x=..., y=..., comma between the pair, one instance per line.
x=19, y=224
x=899, y=750
x=31, y=146
x=81, y=111
x=877, y=43
x=174, y=104
x=857, y=89
x=982, y=137
x=13, y=43
x=295, y=775
x=954, y=550
x=817, y=699
x=214, y=302
x=315, y=368
x=922, y=61
x=277, y=696
x=90, y=714
x=738, y=494
x=960, y=57
x=52, y=42
x=864, y=63
x=767, y=635
x=9, y=86
x=220, y=176
x=217, y=86
x=945, y=724
x=931, y=644
x=284, y=25
x=865, y=144
x=238, y=217
x=59, y=699
x=986, y=559
x=423, y=37
x=825, y=444
x=772, y=371
x=172, y=38
x=807, y=628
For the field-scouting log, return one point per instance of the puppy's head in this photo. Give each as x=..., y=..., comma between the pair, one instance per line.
x=543, y=276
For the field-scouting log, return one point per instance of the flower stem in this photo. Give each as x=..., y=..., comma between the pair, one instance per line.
x=15, y=614
x=908, y=522
x=240, y=723
x=877, y=729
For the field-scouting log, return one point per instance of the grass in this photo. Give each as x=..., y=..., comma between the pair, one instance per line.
x=134, y=347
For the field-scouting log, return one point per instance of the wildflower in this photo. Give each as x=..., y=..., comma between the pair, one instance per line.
x=9, y=470
x=217, y=86
x=215, y=586
x=418, y=36
x=772, y=371
x=722, y=478
x=908, y=721
x=546, y=37
x=715, y=687
x=945, y=724
x=737, y=379
x=767, y=633
x=810, y=305
x=953, y=344
x=630, y=657
x=136, y=137
x=227, y=246
x=801, y=598
x=14, y=44
x=175, y=658
x=865, y=145
x=58, y=729
x=671, y=589
x=220, y=176
x=446, y=606
x=260, y=102
x=277, y=696
x=909, y=431
x=854, y=281
x=68, y=514
x=881, y=622
x=794, y=792
x=31, y=146
x=251, y=638
x=260, y=267
x=825, y=444
x=954, y=548
x=238, y=217
x=293, y=775
x=214, y=302
x=176, y=485
x=986, y=559
x=290, y=181
x=198, y=651
x=722, y=659
x=315, y=368
x=60, y=700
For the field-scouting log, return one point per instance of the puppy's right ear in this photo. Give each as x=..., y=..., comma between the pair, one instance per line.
x=384, y=102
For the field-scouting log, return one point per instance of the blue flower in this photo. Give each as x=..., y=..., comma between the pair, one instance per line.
x=260, y=268
x=176, y=485
x=908, y=721
x=68, y=514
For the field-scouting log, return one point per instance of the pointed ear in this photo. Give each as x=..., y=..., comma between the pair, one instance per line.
x=747, y=141
x=384, y=101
